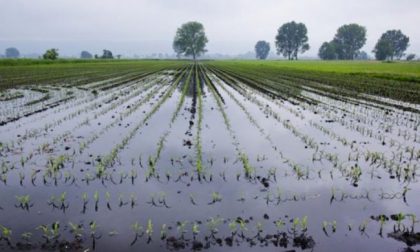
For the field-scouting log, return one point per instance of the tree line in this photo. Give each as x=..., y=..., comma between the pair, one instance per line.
x=52, y=54
x=291, y=40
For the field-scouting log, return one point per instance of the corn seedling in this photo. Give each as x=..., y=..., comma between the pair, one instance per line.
x=6, y=235
x=215, y=197
x=138, y=232
x=163, y=232
x=195, y=230
x=24, y=202
x=93, y=233
x=149, y=230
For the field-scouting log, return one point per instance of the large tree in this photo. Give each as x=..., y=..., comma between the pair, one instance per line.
x=391, y=44
x=349, y=39
x=262, y=48
x=51, y=54
x=291, y=39
x=12, y=53
x=411, y=57
x=107, y=54
x=190, y=40
x=328, y=51
x=85, y=55
x=383, y=50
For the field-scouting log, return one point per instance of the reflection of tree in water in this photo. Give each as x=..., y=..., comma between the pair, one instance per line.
x=190, y=91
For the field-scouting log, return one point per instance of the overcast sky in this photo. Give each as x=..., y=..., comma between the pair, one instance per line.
x=232, y=26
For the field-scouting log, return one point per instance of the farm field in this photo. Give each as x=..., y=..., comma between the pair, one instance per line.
x=215, y=155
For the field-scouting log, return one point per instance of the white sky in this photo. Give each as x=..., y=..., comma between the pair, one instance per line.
x=232, y=26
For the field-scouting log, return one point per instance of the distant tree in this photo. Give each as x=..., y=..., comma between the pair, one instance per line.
x=362, y=56
x=383, y=50
x=190, y=40
x=291, y=39
x=391, y=44
x=411, y=57
x=349, y=39
x=328, y=51
x=85, y=55
x=119, y=56
x=262, y=48
x=51, y=54
x=12, y=53
x=107, y=54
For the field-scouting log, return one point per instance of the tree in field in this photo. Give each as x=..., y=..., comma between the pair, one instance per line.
x=349, y=39
x=51, y=54
x=262, y=48
x=291, y=39
x=411, y=57
x=12, y=53
x=383, y=50
x=85, y=55
x=328, y=51
x=362, y=56
x=107, y=54
x=190, y=40
x=391, y=44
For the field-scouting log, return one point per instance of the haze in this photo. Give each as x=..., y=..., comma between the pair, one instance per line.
x=141, y=27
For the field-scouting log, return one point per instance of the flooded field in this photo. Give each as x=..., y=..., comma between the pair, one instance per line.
x=204, y=157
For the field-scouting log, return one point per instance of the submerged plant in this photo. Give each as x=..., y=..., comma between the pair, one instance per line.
x=138, y=232
x=248, y=169
x=181, y=227
x=398, y=218
x=215, y=197
x=85, y=202
x=213, y=225
x=414, y=220
x=363, y=226
x=52, y=233
x=195, y=229
x=108, y=198
x=133, y=175
x=59, y=202
x=163, y=232
x=133, y=200
x=24, y=202
x=96, y=199
x=93, y=235
x=6, y=234
x=326, y=224
x=233, y=227
x=149, y=230
x=121, y=200
x=279, y=225
x=76, y=230
x=382, y=220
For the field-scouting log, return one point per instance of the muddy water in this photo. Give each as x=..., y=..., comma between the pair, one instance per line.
x=287, y=182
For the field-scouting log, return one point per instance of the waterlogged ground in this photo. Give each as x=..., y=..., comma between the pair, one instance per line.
x=198, y=158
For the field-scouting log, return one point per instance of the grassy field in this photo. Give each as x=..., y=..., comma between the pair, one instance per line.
x=366, y=67
x=77, y=72
x=399, y=81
